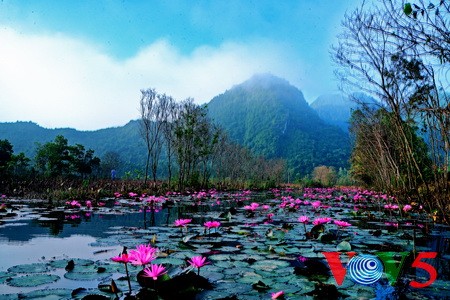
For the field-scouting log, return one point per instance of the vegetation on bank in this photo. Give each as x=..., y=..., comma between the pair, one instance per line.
x=400, y=56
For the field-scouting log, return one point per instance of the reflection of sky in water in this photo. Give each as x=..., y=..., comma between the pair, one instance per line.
x=43, y=249
x=34, y=236
x=47, y=248
x=24, y=229
x=25, y=240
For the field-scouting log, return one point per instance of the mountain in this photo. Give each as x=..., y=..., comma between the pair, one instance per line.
x=336, y=109
x=125, y=140
x=272, y=118
x=265, y=113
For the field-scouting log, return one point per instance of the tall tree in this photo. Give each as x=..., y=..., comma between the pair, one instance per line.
x=58, y=158
x=194, y=137
x=53, y=158
x=6, y=153
x=151, y=126
x=170, y=110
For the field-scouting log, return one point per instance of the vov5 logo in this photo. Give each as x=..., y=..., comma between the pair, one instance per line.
x=367, y=269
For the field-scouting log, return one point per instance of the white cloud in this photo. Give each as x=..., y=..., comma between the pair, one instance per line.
x=59, y=81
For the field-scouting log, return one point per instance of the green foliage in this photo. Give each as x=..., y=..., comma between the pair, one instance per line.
x=407, y=9
x=58, y=158
x=6, y=153
x=12, y=165
x=124, y=140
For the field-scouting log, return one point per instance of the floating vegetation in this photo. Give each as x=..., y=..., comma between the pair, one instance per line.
x=31, y=268
x=246, y=247
x=32, y=280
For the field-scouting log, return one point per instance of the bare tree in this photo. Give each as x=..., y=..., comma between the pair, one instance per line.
x=170, y=110
x=399, y=54
x=152, y=115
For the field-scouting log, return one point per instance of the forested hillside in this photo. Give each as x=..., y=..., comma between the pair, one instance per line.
x=272, y=118
x=123, y=141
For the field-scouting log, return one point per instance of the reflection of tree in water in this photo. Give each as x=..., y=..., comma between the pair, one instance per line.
x=54, y=220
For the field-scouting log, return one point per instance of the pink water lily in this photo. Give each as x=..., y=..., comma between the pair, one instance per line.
x=342, y=223
x=73, y=203
x=391, y=206
x=154, y=271
x=212, y=224
x=277, y=295
x=142, y=255
x=407, y=208
x=182, y=222
x=316, y=204
x=253, y=206
x=121, y=258
x=124, y=258
x=303, y=219
x=319, y=221
x=198, y=262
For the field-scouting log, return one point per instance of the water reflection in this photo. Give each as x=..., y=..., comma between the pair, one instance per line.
x=62, y=223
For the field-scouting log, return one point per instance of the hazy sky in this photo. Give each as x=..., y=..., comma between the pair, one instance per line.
x=82, y=64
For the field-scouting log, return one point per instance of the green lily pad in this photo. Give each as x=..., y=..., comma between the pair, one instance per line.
x=4, y=276
x=82, y=293
x=218, y=257
x=86, y=276
x=250, y=277
x=48, y=294
x=233, y=287
x=30, y=268
x=212, y=276
x=32, y=280
x=62, y=263
x=224, y=264
x=170, y=261
x=269, y=265
x=344, y=246
x=8, y=296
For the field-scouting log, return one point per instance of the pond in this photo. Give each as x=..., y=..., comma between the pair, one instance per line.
x=264, y=243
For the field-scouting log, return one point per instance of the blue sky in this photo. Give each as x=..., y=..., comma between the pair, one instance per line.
x=82, y=64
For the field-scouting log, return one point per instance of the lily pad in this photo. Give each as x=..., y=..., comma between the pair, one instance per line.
x=269, y=265
x=82, y=293
x=47, y=294
x=344, y=246
x=30, y=268
x=32, y=280
x=170, y=261
x=4, y=276
x=8, y=296
x=62, y=263
x=86, y=276
x=219, y=257
x=233, y=287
